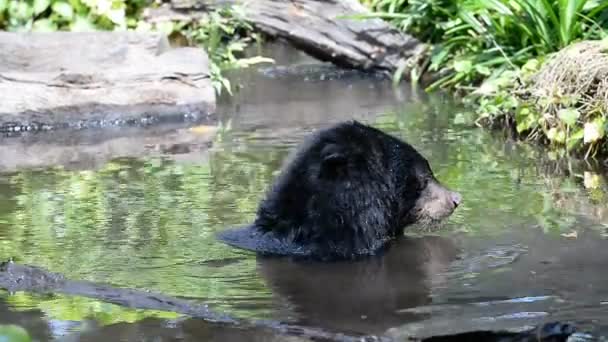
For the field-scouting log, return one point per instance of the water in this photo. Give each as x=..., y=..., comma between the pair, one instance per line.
x=527, y=245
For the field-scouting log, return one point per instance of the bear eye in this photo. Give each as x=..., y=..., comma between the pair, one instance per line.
x=416, y=184
x=424, y=183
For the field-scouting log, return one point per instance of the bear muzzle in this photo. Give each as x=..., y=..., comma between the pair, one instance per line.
x=436, y=202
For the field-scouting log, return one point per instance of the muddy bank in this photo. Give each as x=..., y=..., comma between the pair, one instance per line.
x=51, y=81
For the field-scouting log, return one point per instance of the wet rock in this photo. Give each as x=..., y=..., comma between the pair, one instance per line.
x=80, y=80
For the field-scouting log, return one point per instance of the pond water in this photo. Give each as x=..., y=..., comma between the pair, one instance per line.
x=527, y=245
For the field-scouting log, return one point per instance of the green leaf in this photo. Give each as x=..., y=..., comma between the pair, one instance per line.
x=165, y=27
x=118, y=16
x=398, y=74
x=530, y=66
x=560, y=137
x=575, y=138
x=592, y=180
x=557, y=135
x=526, y=119
x=593, y=131
x=464, y=66
x=568, y=13
x=227, y=86
x=470, y=19
x=438, y=59
x=41, y=6
x=487, y=88
x=143, y=26
x=44, y=25
x=64, y=9
x=484, y=70
x=498, y=6
x=3, y=5
x=522, y=127
x=20, y=10
x=551, y=133
x=522, y=114
x=82, y=24
x=568, y=116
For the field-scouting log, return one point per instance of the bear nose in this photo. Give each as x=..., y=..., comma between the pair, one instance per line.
x=456, y=198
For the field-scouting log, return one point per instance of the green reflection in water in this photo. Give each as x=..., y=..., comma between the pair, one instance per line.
x=151, y=223
x=143, y=224
x=69, y=308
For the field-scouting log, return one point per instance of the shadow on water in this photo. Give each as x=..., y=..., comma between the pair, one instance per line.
x=527, y=245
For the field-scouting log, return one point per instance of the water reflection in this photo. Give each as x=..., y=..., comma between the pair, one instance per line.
x=363, y=296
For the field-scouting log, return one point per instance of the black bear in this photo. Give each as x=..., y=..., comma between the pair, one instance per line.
x=345, y=193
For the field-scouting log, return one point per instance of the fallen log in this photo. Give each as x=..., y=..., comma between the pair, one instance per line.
x=96, y=79
x=322, y=29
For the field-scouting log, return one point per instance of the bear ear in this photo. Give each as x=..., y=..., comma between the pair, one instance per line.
x=333, y=162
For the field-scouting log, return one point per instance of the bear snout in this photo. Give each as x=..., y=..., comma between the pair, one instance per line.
x=437, y=202
x=456, y=198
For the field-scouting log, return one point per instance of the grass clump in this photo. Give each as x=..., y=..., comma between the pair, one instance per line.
x=562, y=101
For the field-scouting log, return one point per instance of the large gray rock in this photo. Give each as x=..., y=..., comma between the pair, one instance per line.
x=69, y=79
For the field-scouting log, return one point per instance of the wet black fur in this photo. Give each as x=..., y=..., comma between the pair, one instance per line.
x=345, y=193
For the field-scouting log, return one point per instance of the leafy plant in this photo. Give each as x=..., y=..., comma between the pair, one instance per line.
x=73, y=15
x=426, y=19
x=488, y=50
x=225, y=34
x=475, y=38
x=570, y=122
